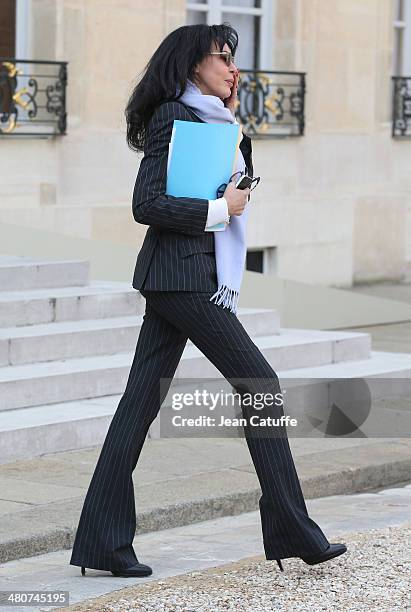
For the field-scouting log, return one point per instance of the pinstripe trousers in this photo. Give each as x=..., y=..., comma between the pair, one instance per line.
x=108, y=520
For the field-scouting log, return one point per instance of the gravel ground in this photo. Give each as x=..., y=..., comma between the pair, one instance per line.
x=374, y=574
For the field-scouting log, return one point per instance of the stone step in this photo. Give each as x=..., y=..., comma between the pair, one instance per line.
x=99, y=299
x=174, y=484
x=291, y=348
x=22, y=273
x=50, y=382
x=31, y=432
x=73, y=425
x=367, y=397
x=72, y=339
x=49, y=428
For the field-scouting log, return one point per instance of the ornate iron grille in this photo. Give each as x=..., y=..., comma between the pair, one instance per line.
x=32, y=97
x=401, y=107
x=271, y=103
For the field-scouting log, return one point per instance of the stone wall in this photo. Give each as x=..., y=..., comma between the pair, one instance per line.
x=336, y=203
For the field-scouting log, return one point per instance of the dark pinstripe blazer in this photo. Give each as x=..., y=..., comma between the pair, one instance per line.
x=177, y=254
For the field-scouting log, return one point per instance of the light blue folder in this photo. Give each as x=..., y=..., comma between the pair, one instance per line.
x=201, y=156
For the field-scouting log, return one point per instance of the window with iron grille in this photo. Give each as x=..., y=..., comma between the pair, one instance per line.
x=251, y=18
x=270, y=103
x=401, y=68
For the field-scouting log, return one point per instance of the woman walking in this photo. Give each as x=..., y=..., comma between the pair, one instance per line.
x=190, y=279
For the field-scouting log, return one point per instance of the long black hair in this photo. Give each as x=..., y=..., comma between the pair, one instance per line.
x=170, y=66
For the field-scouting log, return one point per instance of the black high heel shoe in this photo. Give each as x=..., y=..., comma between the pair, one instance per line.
x=334, y=550
x=138, y=571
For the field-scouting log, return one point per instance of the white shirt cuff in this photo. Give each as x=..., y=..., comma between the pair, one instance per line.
x=217, y=212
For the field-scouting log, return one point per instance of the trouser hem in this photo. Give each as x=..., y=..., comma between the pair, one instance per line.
x=300, y=554
x=106, y=561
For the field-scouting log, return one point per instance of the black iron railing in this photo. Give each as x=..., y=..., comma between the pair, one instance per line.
x=271, y=103
x=32, y=97
x=401, y=106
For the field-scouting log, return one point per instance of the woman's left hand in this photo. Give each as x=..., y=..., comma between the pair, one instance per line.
x=230, y=102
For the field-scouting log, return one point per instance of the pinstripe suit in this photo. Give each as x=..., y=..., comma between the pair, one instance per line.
x=176, y=225
x=176, y=273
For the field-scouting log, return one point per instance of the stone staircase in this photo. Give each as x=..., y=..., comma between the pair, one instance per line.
x=67, y=344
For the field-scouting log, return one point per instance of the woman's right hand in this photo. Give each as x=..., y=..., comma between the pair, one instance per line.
x=236, y=198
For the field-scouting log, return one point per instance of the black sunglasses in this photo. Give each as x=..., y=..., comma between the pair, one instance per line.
x=221, y=189
x=226, y=55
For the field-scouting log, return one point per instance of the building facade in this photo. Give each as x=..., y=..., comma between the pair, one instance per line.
x=330, y=140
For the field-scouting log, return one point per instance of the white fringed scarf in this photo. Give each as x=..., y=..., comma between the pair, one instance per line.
x=230, y=245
